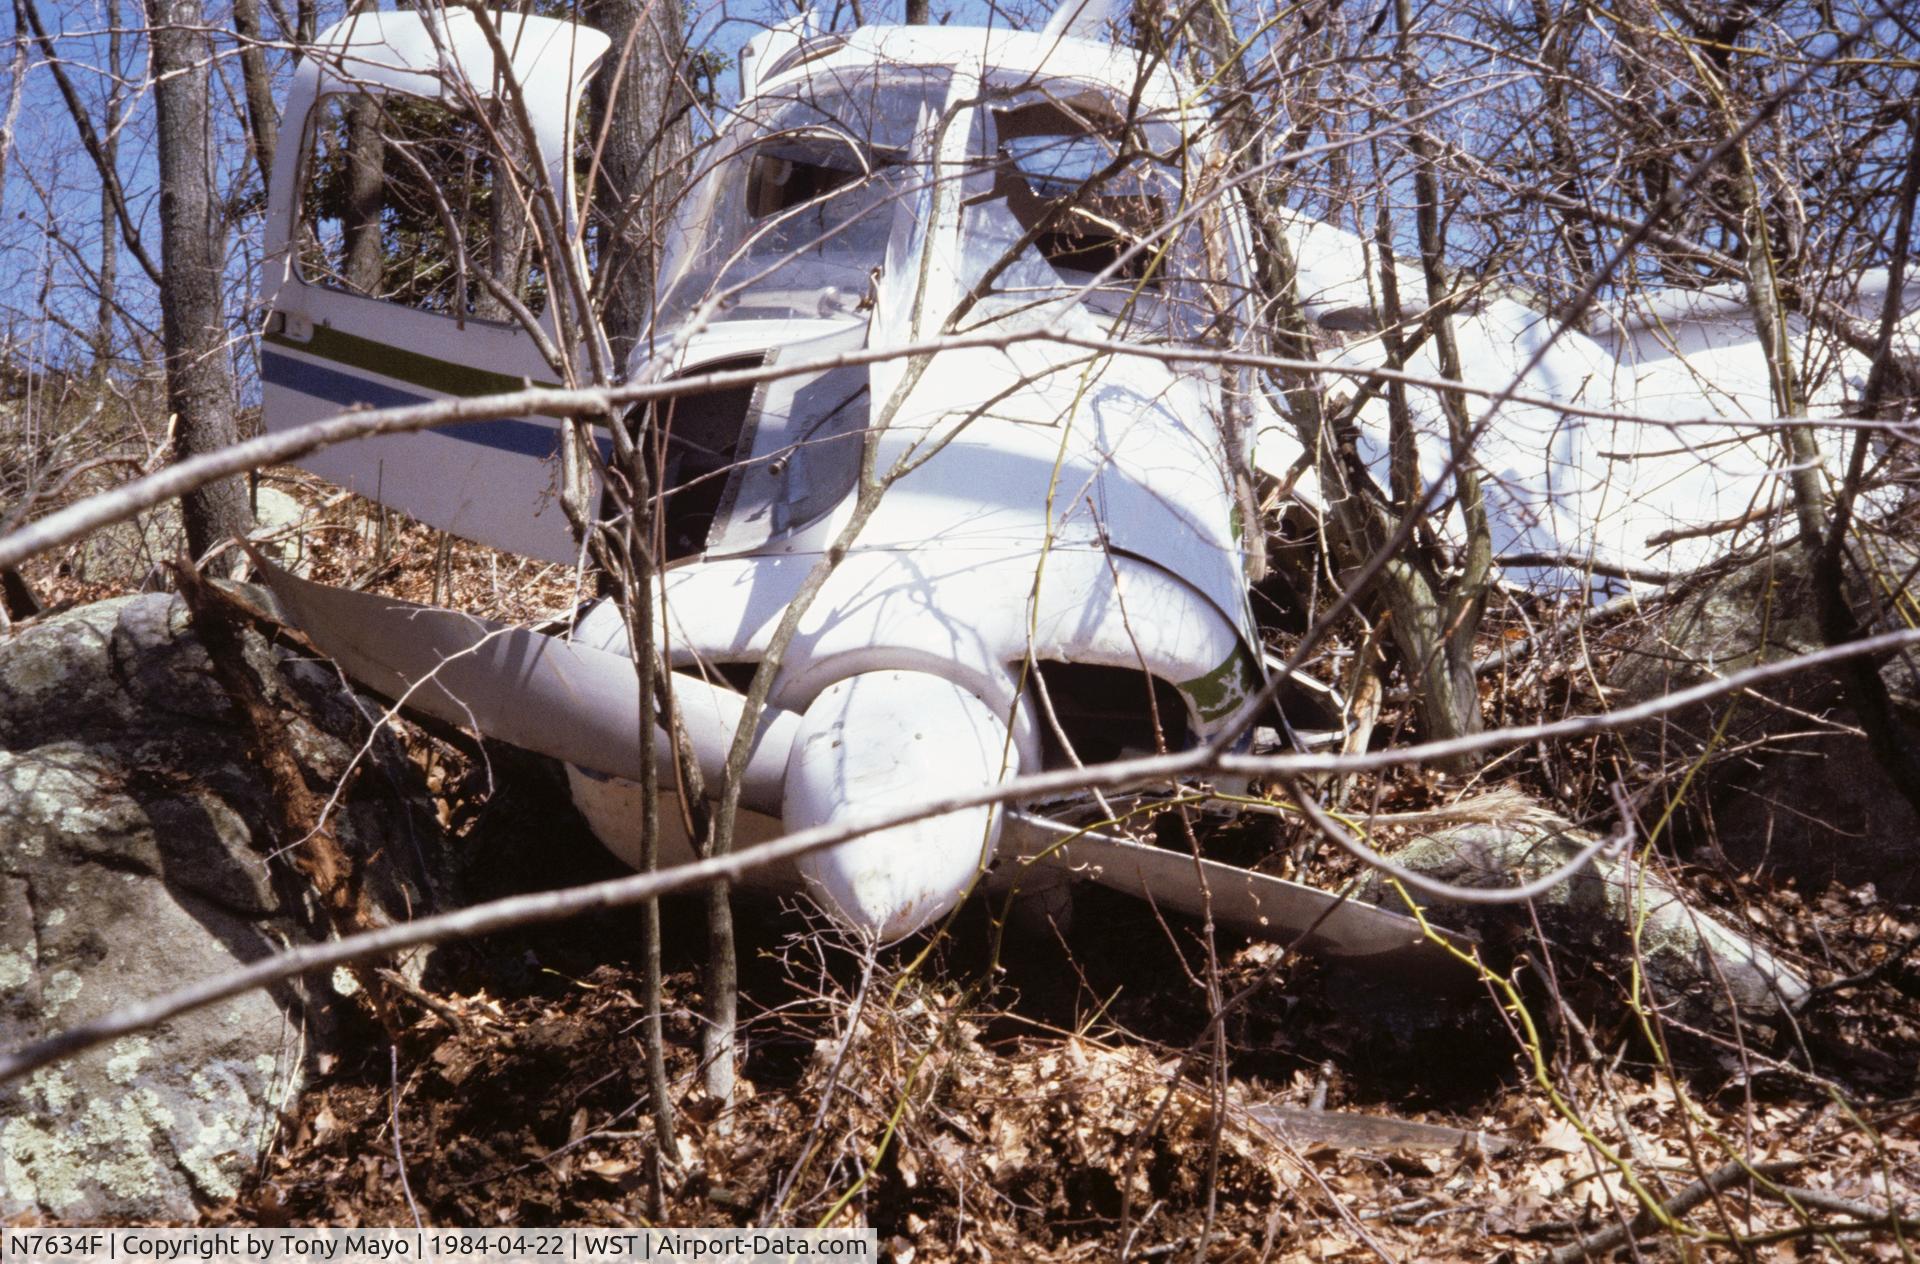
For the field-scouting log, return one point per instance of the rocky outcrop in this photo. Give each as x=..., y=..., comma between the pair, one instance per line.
x=135, y=839
x=1787, y=781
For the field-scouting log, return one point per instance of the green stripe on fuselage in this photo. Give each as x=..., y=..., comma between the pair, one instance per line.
x=442, y=376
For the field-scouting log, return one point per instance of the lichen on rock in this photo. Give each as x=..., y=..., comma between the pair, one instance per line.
x=134, y=845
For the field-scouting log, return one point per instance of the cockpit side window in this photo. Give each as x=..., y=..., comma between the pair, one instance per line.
x=1077, y=178
x=782, y=181
x=787, y=175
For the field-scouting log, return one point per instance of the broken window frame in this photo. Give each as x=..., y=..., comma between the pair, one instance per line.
x=466, y=293
x=717, y=238
x=1193, y=230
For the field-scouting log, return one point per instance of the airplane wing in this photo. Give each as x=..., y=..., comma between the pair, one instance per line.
x=1240, y=899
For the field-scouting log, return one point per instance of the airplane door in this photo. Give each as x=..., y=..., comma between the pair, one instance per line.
x=402, y=267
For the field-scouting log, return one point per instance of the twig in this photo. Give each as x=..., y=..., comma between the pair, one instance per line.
x=1591, y=565
x=1862, y=978
x=1626, y=603
x=426, y=1000
x=1821, y=1200
x=1617, y=1235
x=1747, y=519
x=393, y=1109
x=856, y=1014
x=1828, y=1228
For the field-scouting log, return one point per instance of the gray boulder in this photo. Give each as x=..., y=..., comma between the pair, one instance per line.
x=134, y=844
x=1789, y=784
x=131, y=552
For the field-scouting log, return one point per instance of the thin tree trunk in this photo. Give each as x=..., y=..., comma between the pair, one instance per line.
x=639, y=123
x=1563, y=152
x=638, y=111
x=1449, y=698
x=1776, y=344
x=508, y=215
x=640, y=630
x=109, y=230
x=16, y=85
x=1866, y=690
x=193, y=319
x=263, y=118
x=366, y=189
x=1412, y=588
x=1431, y=624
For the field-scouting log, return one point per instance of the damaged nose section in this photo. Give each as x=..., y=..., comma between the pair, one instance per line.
x=889, y=739
x=880, y=740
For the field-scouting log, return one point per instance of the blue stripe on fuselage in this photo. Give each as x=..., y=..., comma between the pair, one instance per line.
x=523, y=438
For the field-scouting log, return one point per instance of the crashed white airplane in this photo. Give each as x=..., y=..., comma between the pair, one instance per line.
x=1060, y=576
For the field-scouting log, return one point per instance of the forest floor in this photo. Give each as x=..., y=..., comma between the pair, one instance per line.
x=1061, y=1094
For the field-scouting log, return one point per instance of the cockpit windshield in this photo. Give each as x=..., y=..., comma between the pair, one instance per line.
x=1064, y=198
x=791, y=222
x=1106, y=207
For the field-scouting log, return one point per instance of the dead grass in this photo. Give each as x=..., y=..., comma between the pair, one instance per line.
x=978, y=1118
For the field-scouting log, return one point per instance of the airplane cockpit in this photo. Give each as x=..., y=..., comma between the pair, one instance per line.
x=1057, y=191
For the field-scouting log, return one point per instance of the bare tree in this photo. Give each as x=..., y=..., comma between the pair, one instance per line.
x=640, y=104
x=1433, y=615
x=263, y=117
x=193, y=312
x=109, y=233
x=16, y=89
